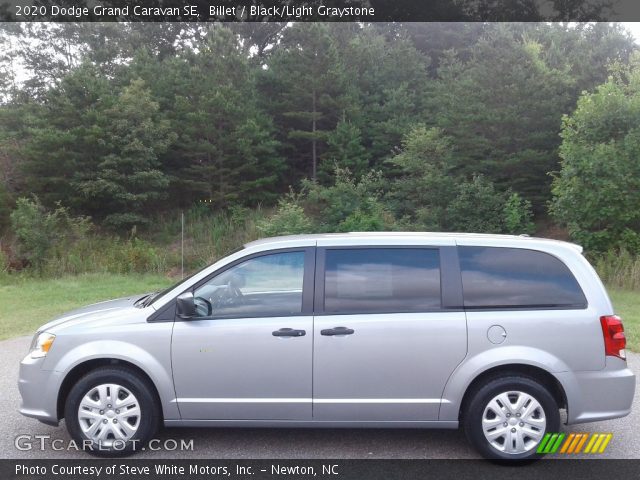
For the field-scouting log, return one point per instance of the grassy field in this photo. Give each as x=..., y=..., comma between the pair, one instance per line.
x=27, y=303
x=626, y=303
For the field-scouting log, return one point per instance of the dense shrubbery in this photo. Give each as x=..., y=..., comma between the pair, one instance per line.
x=619, y=268
x=4, y=263
x=40, y=233
x=426, y=195
x=597, y=192
x=289, y=219
x=517, y=217
x=55, y=243
x=5, y=208
x=74, y=246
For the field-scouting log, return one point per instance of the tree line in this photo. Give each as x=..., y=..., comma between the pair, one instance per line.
x=450, y=126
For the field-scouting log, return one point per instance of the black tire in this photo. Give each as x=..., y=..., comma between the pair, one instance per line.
x=139, y=386
x=479, y=399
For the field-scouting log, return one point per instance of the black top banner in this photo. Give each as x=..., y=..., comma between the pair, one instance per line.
x=319, y=10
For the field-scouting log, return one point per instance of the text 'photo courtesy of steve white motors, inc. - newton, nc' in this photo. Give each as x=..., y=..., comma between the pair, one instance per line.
x=172, y=470
x=241, y=12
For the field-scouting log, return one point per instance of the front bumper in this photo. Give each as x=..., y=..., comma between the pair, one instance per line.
x=599, y=395
x=39, y=390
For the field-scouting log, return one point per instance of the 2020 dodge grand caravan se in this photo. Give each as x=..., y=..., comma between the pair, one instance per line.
x=492, y=333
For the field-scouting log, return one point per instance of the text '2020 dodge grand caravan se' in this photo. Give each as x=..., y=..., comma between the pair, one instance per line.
x=492, y=333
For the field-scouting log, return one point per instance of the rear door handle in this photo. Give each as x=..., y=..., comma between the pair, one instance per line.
x=289, y=332
x=337, y=331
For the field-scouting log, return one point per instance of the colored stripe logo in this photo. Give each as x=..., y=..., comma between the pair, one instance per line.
x=574, y=443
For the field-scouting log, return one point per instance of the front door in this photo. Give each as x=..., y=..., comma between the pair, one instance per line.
x=384, y=346
x=248, y=353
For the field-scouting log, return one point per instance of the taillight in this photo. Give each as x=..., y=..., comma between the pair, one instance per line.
x=614, y=339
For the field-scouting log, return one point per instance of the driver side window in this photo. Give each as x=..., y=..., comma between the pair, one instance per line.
x=269, y=285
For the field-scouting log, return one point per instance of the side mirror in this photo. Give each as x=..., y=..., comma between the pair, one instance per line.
x=186, y=305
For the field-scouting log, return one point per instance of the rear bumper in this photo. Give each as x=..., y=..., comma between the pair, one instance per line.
x=39, y=392
x=599, y=395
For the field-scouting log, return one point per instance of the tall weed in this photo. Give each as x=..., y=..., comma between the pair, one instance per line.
x=619, y=268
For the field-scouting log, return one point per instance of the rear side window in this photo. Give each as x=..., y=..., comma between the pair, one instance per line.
x=371, y=280
x=517, y=278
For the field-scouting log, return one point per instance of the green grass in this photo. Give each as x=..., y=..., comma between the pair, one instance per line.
x=626, y=303
x=26, y=303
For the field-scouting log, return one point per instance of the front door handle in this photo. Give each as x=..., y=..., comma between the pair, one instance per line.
x=289, y=332
x=337, y=331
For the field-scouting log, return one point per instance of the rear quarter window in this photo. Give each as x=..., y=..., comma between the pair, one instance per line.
x=496, y=277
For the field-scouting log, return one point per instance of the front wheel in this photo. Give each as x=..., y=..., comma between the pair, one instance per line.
x=111, y=411
x=507, y=418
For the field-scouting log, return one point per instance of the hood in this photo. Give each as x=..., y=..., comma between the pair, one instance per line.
x=102, y=311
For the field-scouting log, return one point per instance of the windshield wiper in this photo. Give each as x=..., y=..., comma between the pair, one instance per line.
x=140, y=300
x=144, y=301
x=150, y=298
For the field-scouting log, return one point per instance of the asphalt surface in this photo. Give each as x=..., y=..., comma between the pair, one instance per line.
x=221, y=443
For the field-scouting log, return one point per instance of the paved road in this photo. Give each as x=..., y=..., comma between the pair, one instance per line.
x=283, y=443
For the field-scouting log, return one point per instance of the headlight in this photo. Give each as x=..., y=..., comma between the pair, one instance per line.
x=41, y=344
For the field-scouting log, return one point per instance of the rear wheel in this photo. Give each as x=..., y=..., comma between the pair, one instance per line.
x=112, y=411
x=508, y=417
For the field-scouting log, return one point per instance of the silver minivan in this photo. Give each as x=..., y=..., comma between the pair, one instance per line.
x=493, y=333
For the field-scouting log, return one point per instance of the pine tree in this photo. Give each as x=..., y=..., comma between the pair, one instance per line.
x=97, y=150
x=127, y=179
x=345, y=150
x=503, y=110
x=305, y=90
x=389, y=87
x=226, y=152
